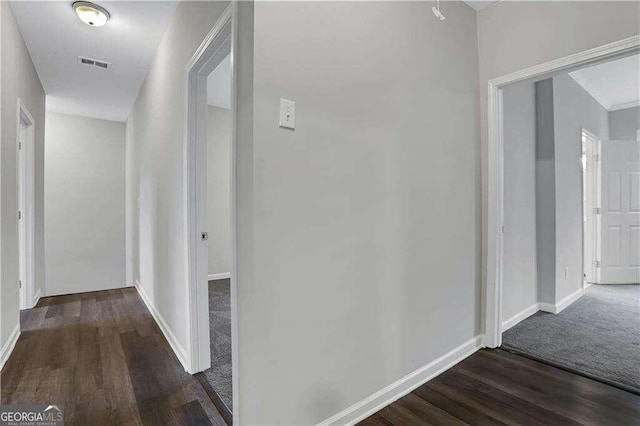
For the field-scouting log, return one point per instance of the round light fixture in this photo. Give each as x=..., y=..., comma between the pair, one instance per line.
x=91, y=14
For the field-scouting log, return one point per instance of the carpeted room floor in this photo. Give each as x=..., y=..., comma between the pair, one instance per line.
x=597, y=336
x=219, y=375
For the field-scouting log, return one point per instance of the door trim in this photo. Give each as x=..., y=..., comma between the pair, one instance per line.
x=222, y=36
x=495, y=173
x=592, y=174
x=25, y=179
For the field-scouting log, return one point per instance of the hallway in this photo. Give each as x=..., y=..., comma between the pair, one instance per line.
x=102, y=356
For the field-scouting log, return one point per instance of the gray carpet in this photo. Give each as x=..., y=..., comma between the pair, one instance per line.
x=598, y=336
x=219, y=375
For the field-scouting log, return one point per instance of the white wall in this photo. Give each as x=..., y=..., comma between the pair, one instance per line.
x=155, y=149
x=364, y=217
x=513, y=35
x=218, y=189
x=519, y=133
x=18, y=80
x=132, y=210
x=573, y=109
x=624, y=124
x=84, y=204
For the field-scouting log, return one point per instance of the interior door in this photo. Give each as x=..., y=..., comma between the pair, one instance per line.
x=22, y=245
x=620, y=222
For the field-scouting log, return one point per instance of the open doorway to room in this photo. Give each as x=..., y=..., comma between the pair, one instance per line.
x=211, y=170
x=219, y=375
x=570, y=290
x=25, y=186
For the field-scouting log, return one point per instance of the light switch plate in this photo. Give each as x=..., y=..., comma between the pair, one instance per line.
x=287, y=114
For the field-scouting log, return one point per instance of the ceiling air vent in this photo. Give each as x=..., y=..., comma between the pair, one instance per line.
x=94, y=62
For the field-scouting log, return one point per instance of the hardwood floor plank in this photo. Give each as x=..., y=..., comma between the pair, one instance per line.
x=193, y=414
x=461, y=410
x=104, y=358
x=429, y=412
x=399, y=416
x=117, y=384
x=375, y=420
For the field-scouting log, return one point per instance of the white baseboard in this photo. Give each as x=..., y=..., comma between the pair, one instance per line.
x=5, y=353
x=373, y=403
x=521, y=316
x=224, y=275
x=36, y=298
x=168, y=334
x=561, y=305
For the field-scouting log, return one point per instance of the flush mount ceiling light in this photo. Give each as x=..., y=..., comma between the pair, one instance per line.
x=91, y=14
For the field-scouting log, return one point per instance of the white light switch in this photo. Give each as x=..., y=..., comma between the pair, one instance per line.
x=287, y=114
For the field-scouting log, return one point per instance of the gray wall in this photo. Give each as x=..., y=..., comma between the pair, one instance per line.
x=624, y=124
x=155, y=172
x=519, y=263
x=564, y=108
x=574, y=109
x=365, y=216
x=84, y=204
x=218, y=190
x=18, y=80
x=545, y=192
x=510, y=39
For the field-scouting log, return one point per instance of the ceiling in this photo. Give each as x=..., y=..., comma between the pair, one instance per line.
x=615, y=84
x=219, y=85
x=55, y=37
x=479, y=4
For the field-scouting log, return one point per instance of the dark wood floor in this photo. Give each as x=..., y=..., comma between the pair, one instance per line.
x=102, y=355
x=495, y=387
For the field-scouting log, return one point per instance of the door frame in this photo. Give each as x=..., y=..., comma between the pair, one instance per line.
x=495, y=174
x=222, y=37
x=25, y=178
x=592, y=174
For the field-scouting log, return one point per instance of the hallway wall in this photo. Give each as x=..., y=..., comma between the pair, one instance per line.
x=364, y=217
x=84, y=204
x=155, y=172
x=18, y=80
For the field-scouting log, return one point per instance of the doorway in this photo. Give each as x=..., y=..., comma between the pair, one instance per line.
x=217, y=51
x=494, y=242
x=587, y=202
x=25, y=190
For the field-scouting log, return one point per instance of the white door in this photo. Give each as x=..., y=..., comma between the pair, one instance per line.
x=22, y=240
x=620, y=221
